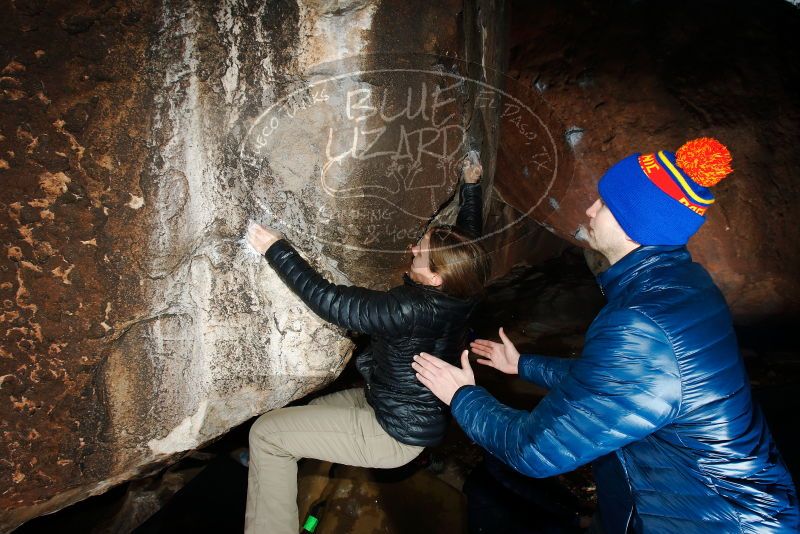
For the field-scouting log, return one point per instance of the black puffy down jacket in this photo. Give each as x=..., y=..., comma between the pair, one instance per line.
x=402, y=322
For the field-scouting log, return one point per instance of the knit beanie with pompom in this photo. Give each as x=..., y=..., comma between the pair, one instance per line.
x=662, y=198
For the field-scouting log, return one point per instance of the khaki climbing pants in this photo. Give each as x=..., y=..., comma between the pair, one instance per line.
x=339, y=428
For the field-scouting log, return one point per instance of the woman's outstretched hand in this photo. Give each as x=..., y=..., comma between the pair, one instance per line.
x=261, y=238
x=502, y=356
x=442, y=378
x=472, y=171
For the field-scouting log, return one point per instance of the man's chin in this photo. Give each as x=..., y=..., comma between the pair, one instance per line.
x=585, y=235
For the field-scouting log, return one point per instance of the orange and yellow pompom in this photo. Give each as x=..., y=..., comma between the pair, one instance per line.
x=704, y=160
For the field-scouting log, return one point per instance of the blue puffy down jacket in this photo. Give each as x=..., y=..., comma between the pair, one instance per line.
x=661, y=391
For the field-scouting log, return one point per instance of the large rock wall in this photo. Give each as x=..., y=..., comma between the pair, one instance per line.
x=74, y=138
x=136, y=144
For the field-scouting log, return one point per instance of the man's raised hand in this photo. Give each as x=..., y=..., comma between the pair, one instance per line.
x=502, y=356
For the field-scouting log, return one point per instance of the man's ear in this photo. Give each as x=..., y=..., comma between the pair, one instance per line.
x=436, y=280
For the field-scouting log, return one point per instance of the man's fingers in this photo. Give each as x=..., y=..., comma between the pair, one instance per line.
x=422, y=370
x=480, y=351
x=465, y=361
x=424, y=367
x=429, y=359
x=504, y=337
x=425, y=381
x=485, y=346
x=489, y=363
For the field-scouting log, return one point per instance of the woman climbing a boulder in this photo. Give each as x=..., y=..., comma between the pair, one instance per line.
x=389, y=421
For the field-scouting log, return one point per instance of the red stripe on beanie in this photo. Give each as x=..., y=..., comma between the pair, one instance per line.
x=661, y=179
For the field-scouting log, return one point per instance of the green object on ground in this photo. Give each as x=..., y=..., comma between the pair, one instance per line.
x=311, y=523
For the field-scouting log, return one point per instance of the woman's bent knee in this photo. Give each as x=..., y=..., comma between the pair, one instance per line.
x=263, y=433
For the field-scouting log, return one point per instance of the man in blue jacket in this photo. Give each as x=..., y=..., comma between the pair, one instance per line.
x=659, y=398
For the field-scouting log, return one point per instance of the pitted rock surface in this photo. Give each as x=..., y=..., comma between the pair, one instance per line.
x=138, y=325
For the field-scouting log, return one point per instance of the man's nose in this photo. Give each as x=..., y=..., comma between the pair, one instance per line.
x=591, y=211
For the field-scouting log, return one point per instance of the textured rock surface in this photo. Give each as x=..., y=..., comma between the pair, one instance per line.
x=73, y=140
x=137, y=324
x=644, y=76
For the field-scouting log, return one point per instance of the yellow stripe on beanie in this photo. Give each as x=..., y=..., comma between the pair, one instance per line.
x=678, y=176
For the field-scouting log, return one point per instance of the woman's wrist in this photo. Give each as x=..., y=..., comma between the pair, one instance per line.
x=270, y=243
